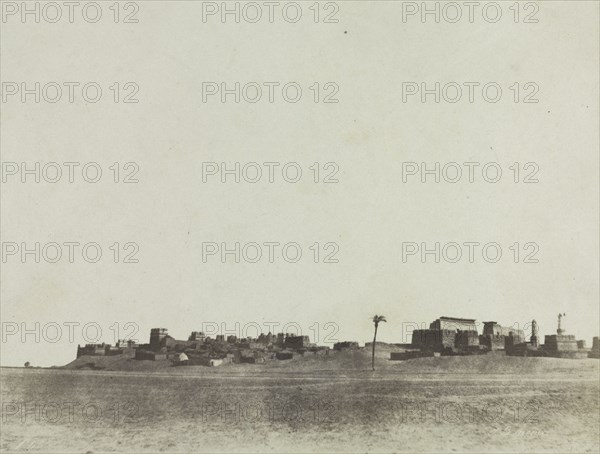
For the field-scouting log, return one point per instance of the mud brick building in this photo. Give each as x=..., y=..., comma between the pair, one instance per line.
x=266, y=339
x=297, y=342
x=92, y=350
x=402, y=356
x=157, y=337
x=152, y=356
x=284, y=355
x=346, y=345
x=251, y=357
x=197, y=336
x=250, y=345
x=127, y=344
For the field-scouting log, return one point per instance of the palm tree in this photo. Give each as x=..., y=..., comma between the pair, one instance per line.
x=376, y=320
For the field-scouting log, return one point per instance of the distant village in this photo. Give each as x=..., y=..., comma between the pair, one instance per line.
x=203, y=350
x=446, y=336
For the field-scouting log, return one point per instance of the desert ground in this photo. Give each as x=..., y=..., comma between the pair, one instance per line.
x=486, y=403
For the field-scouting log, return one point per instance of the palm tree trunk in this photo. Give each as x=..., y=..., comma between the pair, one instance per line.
x=373, y=354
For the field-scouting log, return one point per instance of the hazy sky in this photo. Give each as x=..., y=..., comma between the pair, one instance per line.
x=369, y=214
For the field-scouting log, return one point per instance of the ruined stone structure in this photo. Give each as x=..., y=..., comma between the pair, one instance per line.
x=434, y=340
x=498, y=337
x=562, y=345
x=449, y=335
x=466, y=339
x=453, y=324
x=556, y=343
x=458, y=336
x=534, y=334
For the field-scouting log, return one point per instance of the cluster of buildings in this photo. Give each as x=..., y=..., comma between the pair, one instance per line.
x=445, y=336
x=459, y=336
x=199, y=349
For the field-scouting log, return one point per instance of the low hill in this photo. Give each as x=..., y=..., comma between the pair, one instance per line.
x=356, y=361
x=117, y=362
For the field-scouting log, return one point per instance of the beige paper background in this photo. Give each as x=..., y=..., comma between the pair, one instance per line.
x=369, y=133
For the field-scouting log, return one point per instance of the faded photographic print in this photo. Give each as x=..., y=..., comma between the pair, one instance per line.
x=310, y=226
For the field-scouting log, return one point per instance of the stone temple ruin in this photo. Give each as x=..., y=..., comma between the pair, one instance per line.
x=561, y=345
x=459, y=336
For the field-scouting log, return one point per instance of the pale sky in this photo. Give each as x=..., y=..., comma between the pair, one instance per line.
x=369, y=213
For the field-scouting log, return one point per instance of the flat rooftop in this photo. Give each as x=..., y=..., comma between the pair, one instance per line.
x=472, y=320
